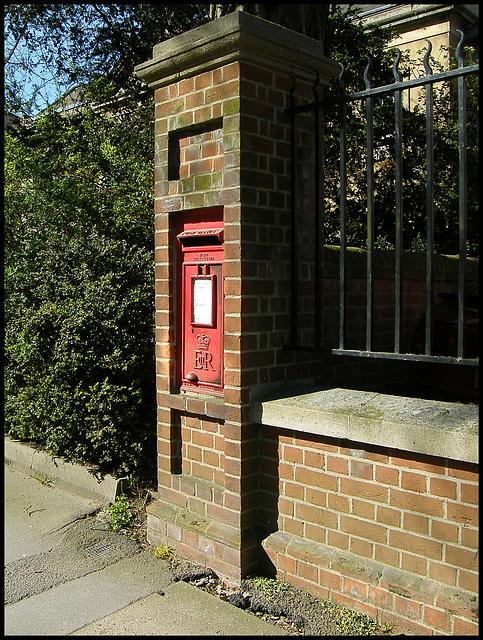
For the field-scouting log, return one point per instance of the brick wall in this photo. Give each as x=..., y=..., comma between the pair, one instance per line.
x=390, y=534
x=222, y=143
x=413, y=297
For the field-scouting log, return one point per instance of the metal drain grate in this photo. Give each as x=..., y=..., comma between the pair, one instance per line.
x=100, y=549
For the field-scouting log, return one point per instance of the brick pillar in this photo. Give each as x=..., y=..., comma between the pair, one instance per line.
x=222, y=145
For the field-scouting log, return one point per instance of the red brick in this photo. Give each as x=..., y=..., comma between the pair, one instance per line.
x=413, y=482
x=468, y=580
x=469, y=538
x=381, y=598
x=314, y=459
x=296, y=528
x=368, y=490
x=192, y=453
x=292, y=454
x=315, y=515
x=338, y=503
x=415, y=502
x=307, y=571
x=414, y=564
x=338, y=540
x=404, y=625
x=315, y=479
x=443, y=488
x=419, y=461
x=469, y=493
x=442, y=573
x=315, y=497
x=337, y=465
x=389, y=516
x=463, y=514
x=465, y=471
x=202, y=438
x=201, y=471
x=361, y=547
x=231, y=71
x=293, y=490
x=442, y=530
x=462, y=558
x=415, y=522
x=407, y=608
x=436, y=618
x=330, y=579
x=286, y=471
x=211, y=459
x=386, y=555
x=465, y=628
x=286, y=564
x=363, y=509
x=363, y=529
x=361, y=469
x=354, y=588
x=416, y=544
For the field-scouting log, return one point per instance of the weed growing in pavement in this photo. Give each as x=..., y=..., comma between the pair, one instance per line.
x=271, y=587
x=284, y=602
x=43, y=478
x=355, y=623
x=121, y=516
x=164, y=552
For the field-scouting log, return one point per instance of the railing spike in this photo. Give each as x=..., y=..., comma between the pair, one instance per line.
x=458, y=52
x=341, y=83
x=367, y=79
x=395, y=67
x=292, y=89
x=427, y=68
x=314, y=88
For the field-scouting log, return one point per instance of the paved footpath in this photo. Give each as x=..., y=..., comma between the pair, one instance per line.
x=67, y=574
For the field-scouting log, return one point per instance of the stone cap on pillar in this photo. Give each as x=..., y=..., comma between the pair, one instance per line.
x=238, y=36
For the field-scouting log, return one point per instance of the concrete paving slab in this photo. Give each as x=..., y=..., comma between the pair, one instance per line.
x=34, y=512
x=56, y=588
x=72, y=558
x=75, y=604
x=182, y=610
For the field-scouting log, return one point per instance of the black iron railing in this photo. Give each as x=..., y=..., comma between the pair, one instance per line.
x=395, y=89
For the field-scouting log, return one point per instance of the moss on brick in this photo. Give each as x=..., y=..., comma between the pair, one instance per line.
x=231, y=107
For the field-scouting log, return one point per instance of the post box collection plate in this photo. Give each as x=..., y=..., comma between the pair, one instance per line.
x=203, y=299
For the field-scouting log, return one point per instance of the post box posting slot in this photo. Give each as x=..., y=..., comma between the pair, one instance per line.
x=201, y=309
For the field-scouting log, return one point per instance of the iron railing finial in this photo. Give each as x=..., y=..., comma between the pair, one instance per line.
x=427, y=67
x=459, y=52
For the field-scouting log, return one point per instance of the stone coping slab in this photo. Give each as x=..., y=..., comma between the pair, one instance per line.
x=235, y=37
x=431, y=427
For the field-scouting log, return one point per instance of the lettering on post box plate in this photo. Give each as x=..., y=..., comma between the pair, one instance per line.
x=203, y=357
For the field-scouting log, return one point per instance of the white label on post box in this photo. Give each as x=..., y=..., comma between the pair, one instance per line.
x=203, y=301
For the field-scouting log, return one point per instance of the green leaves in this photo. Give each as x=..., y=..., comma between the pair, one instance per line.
x=121, y=516
x=79, y=304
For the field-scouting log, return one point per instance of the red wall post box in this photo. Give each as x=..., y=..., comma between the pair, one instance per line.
x=200, y=307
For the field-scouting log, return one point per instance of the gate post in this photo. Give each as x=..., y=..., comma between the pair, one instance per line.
x=222, y=152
